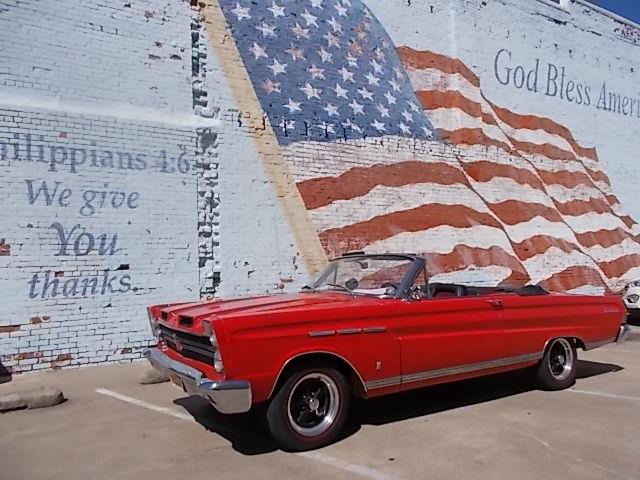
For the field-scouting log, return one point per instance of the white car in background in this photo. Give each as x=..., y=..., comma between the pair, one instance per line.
x=631, y=297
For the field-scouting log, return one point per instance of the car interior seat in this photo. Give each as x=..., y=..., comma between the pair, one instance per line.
x=446, y=290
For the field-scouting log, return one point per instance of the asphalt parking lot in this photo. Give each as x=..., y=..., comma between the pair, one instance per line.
x=495, y=428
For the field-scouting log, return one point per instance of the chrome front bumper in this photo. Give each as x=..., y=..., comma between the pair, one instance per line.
x=625, y=330
x=225, y=396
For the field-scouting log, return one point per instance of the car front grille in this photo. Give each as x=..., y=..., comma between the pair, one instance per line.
x=190, y=346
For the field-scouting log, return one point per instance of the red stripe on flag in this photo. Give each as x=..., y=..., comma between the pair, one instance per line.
x=358, y=181
x=359, y=235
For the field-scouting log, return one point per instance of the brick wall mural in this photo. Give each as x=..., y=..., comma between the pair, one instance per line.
x=486, y=193
x=164, y=150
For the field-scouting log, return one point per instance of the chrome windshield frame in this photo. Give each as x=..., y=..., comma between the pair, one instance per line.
x=416, y=267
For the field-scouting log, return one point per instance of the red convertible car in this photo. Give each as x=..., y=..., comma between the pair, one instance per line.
x=370, y=325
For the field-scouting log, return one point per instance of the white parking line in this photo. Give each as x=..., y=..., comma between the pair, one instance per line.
x=147, y=405
x=601, y=394
x=366, y=472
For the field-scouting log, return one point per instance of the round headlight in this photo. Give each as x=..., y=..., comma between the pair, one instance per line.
x=157, y=332
x=217, y=362
x=213, y=339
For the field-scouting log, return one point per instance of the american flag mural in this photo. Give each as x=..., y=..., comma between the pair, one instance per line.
x=398, y=149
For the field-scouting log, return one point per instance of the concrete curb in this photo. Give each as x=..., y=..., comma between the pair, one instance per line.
x=37, y=398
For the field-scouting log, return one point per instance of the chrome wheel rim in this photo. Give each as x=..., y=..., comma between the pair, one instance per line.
x=313, y=404
x=561, y=359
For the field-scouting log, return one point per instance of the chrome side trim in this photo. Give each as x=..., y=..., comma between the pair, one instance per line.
x=385, y=382
x=349, y=331
x=445, y=372
x=374, y=329
x=322, y=333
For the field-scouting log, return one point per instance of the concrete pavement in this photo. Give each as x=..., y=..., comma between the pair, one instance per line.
x=495, y=428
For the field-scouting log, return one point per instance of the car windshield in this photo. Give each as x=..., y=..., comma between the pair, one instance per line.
x=364, y=275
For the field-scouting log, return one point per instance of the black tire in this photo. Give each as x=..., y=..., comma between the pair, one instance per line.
x=310, y=409
x=557, y=369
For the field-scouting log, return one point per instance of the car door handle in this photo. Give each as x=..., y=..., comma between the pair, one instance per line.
x=495, y=303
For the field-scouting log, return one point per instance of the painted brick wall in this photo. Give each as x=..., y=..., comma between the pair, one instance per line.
x=99, y=180
x=139, y=162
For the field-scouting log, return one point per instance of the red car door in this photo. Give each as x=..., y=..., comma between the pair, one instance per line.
x=441, y=337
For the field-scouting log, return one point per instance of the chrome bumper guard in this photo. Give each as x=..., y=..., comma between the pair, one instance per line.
x=625, y=330
x=225, y=396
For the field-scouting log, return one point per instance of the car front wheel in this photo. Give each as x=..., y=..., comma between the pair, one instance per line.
x=310, y=409
x=558, y=367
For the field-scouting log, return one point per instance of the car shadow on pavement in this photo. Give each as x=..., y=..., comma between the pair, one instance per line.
x=633, y=320
x=5, y=374
x=441, y=398
x=248, y=433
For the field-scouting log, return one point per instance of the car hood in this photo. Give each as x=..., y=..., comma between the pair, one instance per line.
x=190, y=315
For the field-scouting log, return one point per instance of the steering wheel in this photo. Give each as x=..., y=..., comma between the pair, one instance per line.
x=389, y=284
x=416, y=292
x=351, y=284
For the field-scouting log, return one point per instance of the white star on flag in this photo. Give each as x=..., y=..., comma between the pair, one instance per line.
x=293, y=106
x=316, y=72
x=300, y=32
x=332, y=40
x=277, y=10
x=335, y=25
x=325, y=56
x=258, y=51
x=391, y=100
x=310, y=91
x=357, y=108
x=341, y=92
x=310, y=19
x=372, y=79
x=241, y=12
x=278, y=67
x=331, y=109
x=342, y=12
x=296, y=53
x=378, y=126
x=267, y=30
x=413, y=106
x=346, y=75
x=384, y=111
x=271, y=86
x=365, y=93
x=326, y=127
x=351, y=126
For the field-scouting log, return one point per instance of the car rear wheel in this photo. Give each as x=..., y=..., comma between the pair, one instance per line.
x=310, y=409
x=558, y=367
